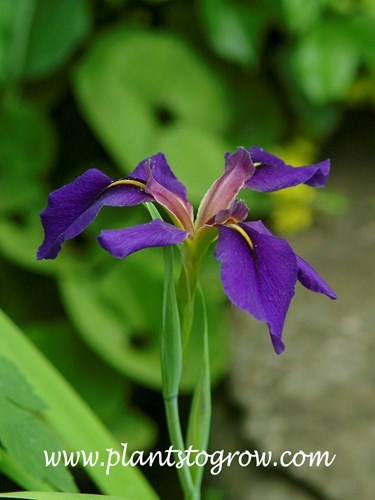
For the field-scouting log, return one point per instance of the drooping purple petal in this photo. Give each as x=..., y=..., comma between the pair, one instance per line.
x=310, y=279
x=306, y=275
x=272, y=174
x=122, y=242
x=261, y=280
x=238, y=169
x=74, y=206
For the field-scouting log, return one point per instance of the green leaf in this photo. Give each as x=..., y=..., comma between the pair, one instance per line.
x=361, y=30
x=119, y=316
x=57, y=29
x=23, y=432
x=21, y=236
x=142, y=92
x=235, y=32
x=20, y=240
x=9, y=13
x=118, y=313
x=27, y=145
x=101, y=387
x=300, y=15
x=33, y=39
x=326, y=62
x=51, y=495
x=76, y=425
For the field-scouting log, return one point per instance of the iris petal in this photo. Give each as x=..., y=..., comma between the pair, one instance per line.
x=157, y=168
x=182, y=211
x=122, y=242
x=74, y=206
x=238, y=169
x=272, y=174
x=236, y=212
x=260, y=281
x=310, y=279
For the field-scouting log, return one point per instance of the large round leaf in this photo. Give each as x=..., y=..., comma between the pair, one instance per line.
x=139, y=90
x=118, y=313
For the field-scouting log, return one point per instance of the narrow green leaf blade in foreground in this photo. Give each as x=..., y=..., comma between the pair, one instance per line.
x=49, y=495
x=75, y=424
x=22, y=427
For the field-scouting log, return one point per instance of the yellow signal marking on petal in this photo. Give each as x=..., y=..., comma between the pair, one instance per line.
x=242, y=233
x=129, y=182
x=257, y=164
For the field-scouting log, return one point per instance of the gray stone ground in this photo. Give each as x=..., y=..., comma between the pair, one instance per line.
x=320, y=394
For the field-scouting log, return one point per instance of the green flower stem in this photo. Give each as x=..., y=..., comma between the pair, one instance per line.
x=192, y=255
x=177, y=322
x=171, y=365
x=200, y=413
x=175, y=434
x=171, y=362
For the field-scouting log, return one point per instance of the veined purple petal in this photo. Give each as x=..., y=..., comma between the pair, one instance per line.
x=238, y=169
x=310, y=279
x=272, y=174
x=306, y=275
x=74, y=206
x=158, y=168
x=260, y=280
x=122, y=242
x=162, y=172
x=171, y=200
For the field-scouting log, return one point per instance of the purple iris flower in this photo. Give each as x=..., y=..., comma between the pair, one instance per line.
x=259, y=271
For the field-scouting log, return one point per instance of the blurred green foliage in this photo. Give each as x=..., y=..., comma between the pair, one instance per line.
x=106, y=83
